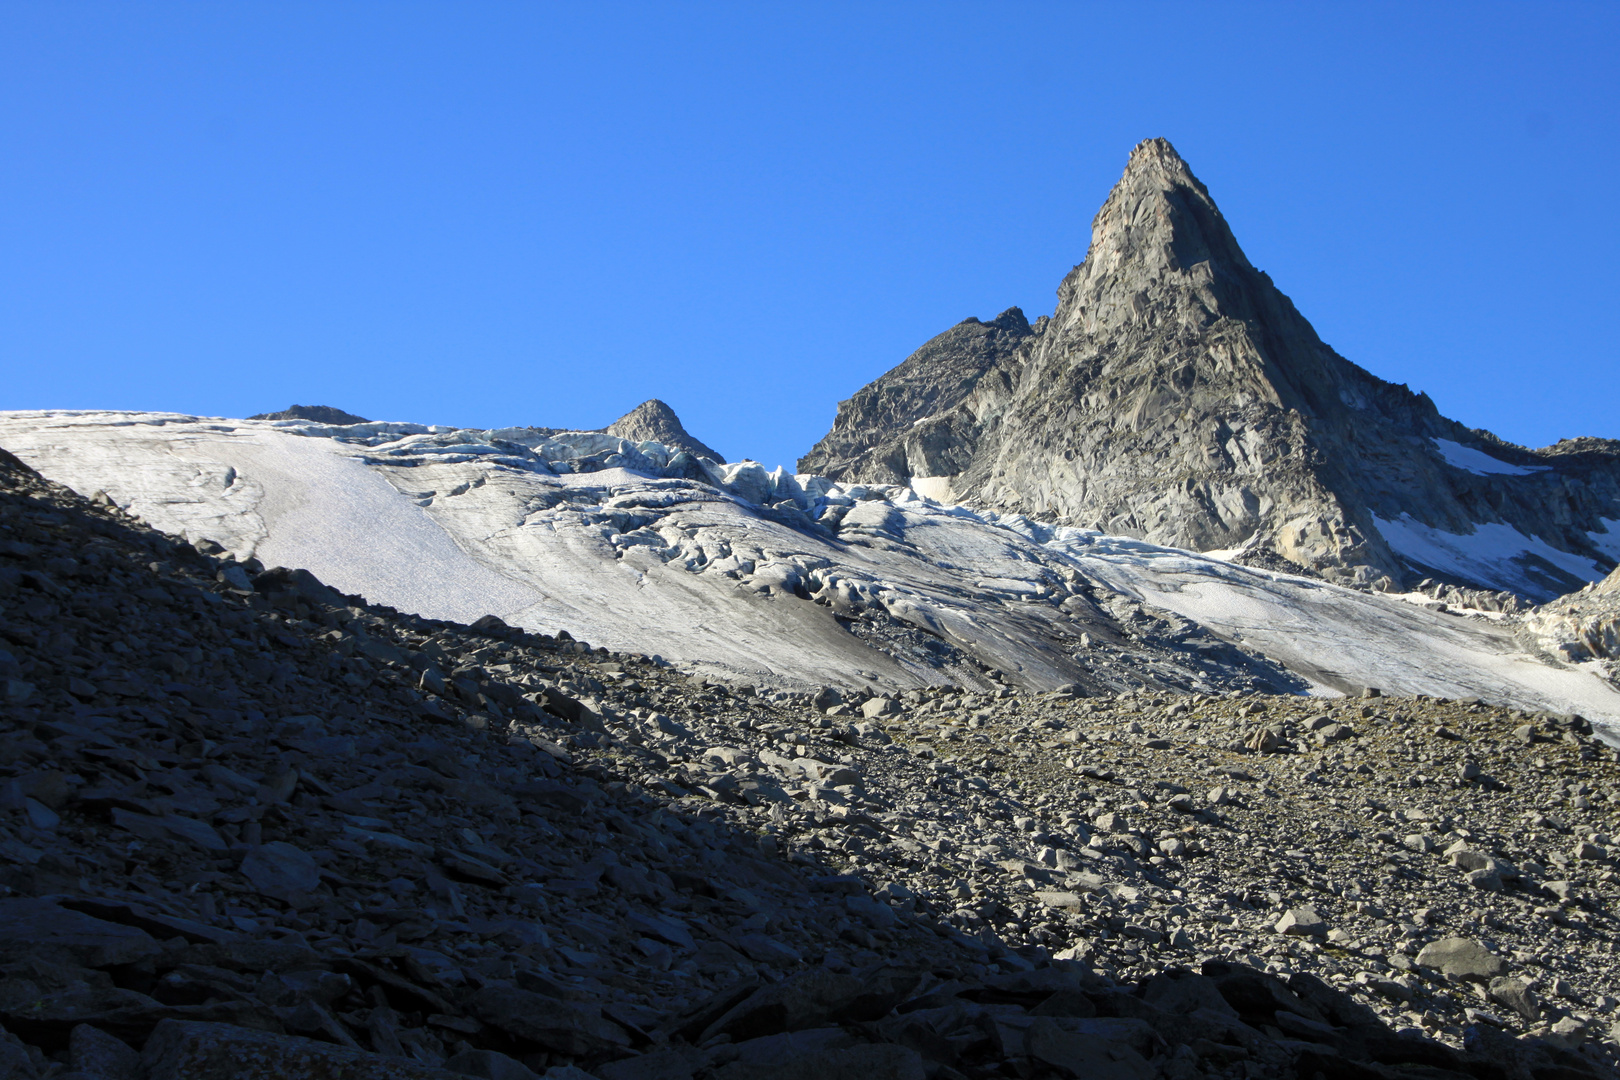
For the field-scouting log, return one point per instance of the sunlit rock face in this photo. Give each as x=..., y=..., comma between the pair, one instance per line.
x=1177, y=396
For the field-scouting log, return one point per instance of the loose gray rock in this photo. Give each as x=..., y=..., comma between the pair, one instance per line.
x=489, y=1065
x=1516, y=995
x=657, y=1065
x=95, y=1055
x=188, y=1050
x=561, y=1026
x=861, y=1062
x=812, y=999
x=16, y=1063
x=1462, y=958
x=1085, y=1056
x=879, y=706
x=1302, y=922
x=40, y=928
x=281, y=870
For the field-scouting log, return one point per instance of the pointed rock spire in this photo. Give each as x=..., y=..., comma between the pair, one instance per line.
x=1158, y=224
x=1177, y=395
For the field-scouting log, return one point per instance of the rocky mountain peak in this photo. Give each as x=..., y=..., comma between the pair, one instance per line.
x=1178, y=396
x=1159, y=226
x=653, y=420
x=319, y=414
x=910, y=423
x=1012, y=321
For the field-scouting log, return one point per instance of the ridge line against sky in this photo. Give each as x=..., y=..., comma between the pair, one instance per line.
x=505, y=215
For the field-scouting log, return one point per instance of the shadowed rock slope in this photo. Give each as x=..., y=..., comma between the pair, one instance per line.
x=1176, y=395
x=253, y=828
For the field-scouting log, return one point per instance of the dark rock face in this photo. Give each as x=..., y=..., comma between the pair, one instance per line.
x=916, y=420
x=320, y=414
x=654, y=420
x=1178, y=396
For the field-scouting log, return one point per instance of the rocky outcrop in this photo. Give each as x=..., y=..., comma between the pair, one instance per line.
x=653, y=421
x=320, y=414
x=1582, y=626
x=1177, y=395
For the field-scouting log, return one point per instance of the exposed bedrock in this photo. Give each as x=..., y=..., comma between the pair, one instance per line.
x=1178, y=396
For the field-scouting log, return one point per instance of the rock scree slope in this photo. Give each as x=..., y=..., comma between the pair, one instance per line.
x=1178, y=396
x=253, y=827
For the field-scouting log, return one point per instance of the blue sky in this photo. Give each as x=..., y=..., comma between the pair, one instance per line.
x=499, y=213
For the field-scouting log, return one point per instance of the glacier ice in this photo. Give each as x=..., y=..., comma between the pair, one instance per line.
x=760, y=575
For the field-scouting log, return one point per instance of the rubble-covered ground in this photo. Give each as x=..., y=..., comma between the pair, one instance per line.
x=250, y=827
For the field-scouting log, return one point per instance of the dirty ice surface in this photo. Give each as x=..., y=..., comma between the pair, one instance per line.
x=581, y=532
x=1340, y=637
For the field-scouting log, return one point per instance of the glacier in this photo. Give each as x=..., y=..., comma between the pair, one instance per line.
x=764, y=576
x=1493, y=552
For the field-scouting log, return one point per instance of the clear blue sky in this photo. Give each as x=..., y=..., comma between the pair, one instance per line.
x=502, y=213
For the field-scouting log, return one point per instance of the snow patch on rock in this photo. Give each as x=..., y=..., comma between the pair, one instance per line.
x=1496, y=554
x=1479, y=462
x=1608, y=541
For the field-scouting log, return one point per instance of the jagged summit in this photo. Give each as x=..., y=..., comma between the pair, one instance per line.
x=1177, y=395
x=319, y=414
x=1159, y=222
x=1158, y=215
x=654, y=420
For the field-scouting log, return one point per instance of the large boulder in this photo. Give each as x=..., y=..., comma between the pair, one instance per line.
x=41, y=928
x=563, y=1027
x=812, y=999
x=1462, y=958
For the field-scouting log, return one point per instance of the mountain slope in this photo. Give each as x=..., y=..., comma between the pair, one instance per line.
x=253, y=828
x=1177, y=395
